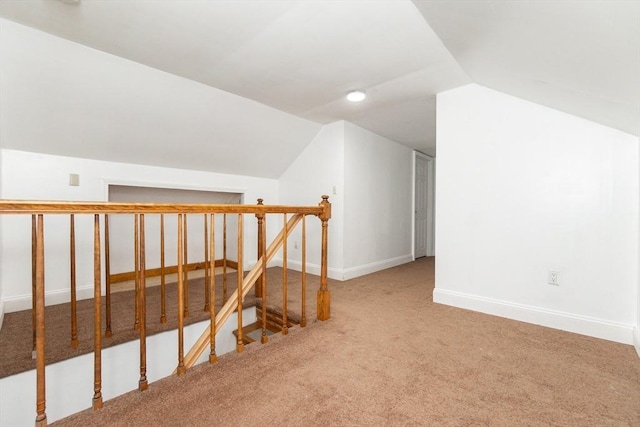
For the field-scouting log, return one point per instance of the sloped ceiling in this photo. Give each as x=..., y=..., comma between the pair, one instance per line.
x=581, y=57
x=301, y=57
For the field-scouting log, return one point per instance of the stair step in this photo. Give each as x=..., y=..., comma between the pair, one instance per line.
x=273, y=326
x=275, y=316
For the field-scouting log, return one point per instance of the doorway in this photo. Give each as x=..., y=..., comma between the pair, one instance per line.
x=121, y=227
x=424, y=242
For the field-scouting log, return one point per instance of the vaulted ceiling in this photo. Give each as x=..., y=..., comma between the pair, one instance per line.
x=301, y=57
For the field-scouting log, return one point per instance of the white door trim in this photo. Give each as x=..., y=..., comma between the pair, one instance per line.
x=430, y=229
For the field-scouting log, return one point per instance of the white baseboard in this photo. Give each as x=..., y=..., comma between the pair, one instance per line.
x=1, y=313
x=59, y=296
x=353, y=272
x=361, y=270
x=636, y=339
x=604, y=329
x=332, y=273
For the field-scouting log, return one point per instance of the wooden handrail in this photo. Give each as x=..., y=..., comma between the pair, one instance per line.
x=255, y=276
x=54, y=207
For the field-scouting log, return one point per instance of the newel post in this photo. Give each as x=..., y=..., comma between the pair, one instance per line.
x=324, y=297
x=261, y=237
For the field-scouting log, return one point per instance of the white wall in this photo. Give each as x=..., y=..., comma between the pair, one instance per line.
x=378, y=200
x=317, y=171
x=46, y=177
x=368, y=178
x=522, y=189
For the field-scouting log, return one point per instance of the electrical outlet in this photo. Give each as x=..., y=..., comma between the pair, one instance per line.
x=554, y=278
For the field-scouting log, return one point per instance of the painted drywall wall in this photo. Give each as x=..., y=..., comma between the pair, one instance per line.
x=46, y=177
x=318, y=170
x=523, y=189
x=368, y=178
x=63, y=98
x=378, y=201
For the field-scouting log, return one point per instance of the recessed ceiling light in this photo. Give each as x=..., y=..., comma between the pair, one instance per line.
x=356, y=95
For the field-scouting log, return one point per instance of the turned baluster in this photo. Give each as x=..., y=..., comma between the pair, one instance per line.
x=34, y=249
x=142, y=383
x=97, y=321
x=263, y=281
x=260, y=217
x=324, y=296
x=72, y=261
x=136, y=260
x=224, y=259
x=41, y=417
x=212, y=290
x=285, y=327
x=303, y=315
x=163, y=290
x=207, y=294
x=186, y=268
x=181, y=369
x=240, y=342
x=107, y=271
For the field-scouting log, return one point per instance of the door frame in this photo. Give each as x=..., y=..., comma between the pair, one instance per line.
x=431, y=188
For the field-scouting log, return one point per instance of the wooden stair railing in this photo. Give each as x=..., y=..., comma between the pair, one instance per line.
x=38, y=209
x=232, y=303
x=274, y=323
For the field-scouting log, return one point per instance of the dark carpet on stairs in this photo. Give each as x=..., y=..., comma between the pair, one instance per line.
x=16, y=335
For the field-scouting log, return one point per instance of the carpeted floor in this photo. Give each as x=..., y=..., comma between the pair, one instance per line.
x=389, y=356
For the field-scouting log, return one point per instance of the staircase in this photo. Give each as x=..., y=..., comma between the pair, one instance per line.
x=144, y=215
x=274, y=324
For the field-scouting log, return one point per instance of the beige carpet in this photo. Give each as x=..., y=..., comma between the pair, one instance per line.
x=389, y=356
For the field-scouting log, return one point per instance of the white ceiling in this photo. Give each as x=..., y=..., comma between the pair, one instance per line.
x=301, y=57
x=581, y=57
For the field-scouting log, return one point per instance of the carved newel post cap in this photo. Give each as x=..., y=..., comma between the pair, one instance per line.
x=326, y=207
x=260, y=201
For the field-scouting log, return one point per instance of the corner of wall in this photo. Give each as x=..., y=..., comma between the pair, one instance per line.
x=636, y=339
